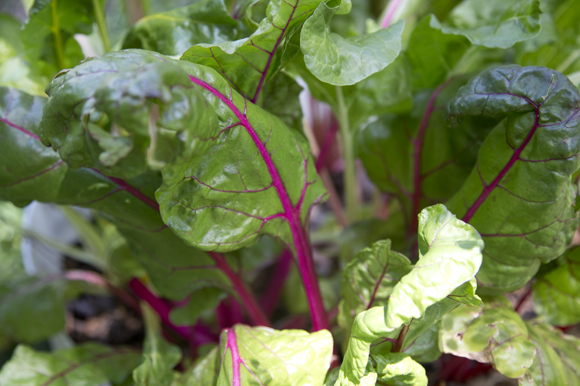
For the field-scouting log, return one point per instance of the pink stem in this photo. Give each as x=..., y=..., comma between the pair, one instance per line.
x=276, y=284
x=254, y=310
x=390, y=12
x=327, y=145
x=232, y=344
x=291, y=213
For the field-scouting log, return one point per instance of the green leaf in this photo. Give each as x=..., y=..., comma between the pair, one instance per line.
x=339, y=61
x=397, y=369
x=110, y=98
x=368, y=280
x=200, y=302
x=249, y=175
x=557, y=360
x=48, y=34
x=450, y=254
x=174, y=32
x=519, y=195
x=432, y=53
x=493, y=333
x=250, y=62
x=557, y=294
x=159, y=356
x=205, y=370
x=493, y=23
x=261, y=355
x=280, y=98
x=90, y=364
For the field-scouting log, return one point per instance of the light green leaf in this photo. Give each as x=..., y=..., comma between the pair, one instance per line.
x=557, y=360
x=159, y=356
x=449, y=255
x=493, y=23
x=250, y=62
x=205, y=370
x=519, y=194
x=397, y=369
x=557, y=294
x=339, y=61
x=174, y=32
x=90, y=364
x=493, y=334
x=260, y=355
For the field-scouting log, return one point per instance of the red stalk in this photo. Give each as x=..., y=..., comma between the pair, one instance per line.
x=276, y=284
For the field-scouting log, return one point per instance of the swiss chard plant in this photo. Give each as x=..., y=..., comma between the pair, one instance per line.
x=293, y=192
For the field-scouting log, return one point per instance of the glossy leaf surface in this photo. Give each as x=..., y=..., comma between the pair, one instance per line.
x=260, y=355
x=339, y=61
x=90, y=364
x=397, y=369
x=519, y=195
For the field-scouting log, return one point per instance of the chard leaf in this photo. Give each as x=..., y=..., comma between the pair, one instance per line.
x=262, y=356
x=397, y=369
x=250, y=175
x=519, y=195
x=557, y=360
x=205, y=370
x=31, y=171
x=557, y=294
x=98, y=112
x=200, y=302
x=90, y=364
x=173, y=32
x=368, y=280
x=450, y=254
x=159, y=356
x=493, y=23
x=339, y=61
x=493, y=333
x=248, y=63
x=432, y=53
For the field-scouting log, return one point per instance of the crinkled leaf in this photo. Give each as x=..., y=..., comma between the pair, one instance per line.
x=159, y=356
x=519, y=195
x=397, y=369
x=346, y=61
x=31, y=171
x=493, y=23
x=493, y=333
x=368, y=280
x=90, y=364
x=432, y=53
x=280, y=98
x=249, y=175
x=174, y=32
x=557, y=294
x=557, y=359
x=98, y=112
x=450, y=254
x=248, y=63
x=260, y=355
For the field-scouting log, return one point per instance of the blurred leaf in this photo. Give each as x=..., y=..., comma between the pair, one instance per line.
x=199, y=302
x=205, y=370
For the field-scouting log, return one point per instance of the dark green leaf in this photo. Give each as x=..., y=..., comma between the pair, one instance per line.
x=199, y=302
x=519, y=195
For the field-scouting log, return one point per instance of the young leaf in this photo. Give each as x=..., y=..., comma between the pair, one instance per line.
x=205, y=370
x=90, y=364
x=339, y=61
x=368, y=280
x=557, y=360
x=260, y=355
x=493, y=333
x=538, y=142
x=446, y=245
x=557, y=294
x=397, y=369
x=174, y=32
x=159, y=356
x=98, y=112
x=248, y=63
x=493, y=23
